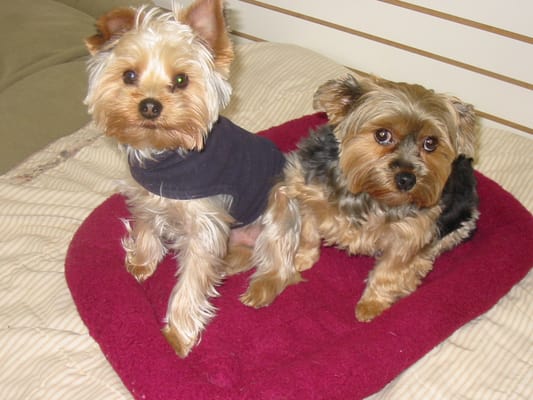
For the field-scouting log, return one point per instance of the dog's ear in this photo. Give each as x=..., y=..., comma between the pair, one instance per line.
x=207, y=19
x=337, y=97
x=110, y=26
x=466, y=137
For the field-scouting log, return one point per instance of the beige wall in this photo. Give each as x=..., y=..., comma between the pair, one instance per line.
x=481, y=51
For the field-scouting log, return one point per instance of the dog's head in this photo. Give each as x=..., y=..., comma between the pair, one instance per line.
x=158, y=79
x=397, y=141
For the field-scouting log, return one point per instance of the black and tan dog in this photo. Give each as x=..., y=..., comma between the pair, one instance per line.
x=390, y=176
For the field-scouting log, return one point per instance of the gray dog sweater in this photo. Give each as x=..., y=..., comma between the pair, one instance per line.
x=233, y=161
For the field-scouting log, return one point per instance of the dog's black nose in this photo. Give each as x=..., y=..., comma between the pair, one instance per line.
x=405, y=181
x=150, y=108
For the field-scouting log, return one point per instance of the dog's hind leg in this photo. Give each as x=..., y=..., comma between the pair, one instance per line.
x=240, y=248
x=275, y=250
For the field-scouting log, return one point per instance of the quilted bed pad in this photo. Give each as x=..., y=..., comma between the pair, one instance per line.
x=307, y=344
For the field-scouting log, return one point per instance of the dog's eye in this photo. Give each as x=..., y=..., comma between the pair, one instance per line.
x=430, y=144
x=383, y=137
x=180, y=81
x=129, y=77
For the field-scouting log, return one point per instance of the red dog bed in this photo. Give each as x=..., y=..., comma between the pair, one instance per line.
x=307, y=344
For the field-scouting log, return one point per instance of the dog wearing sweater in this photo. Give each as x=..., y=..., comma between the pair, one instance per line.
x=199, y=183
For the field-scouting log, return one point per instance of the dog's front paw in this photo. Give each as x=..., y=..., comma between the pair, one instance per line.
x=367, y=310
x=180, y=346
x=258, y=296
x=140, y=272
x=264, y=290
x=305, y=260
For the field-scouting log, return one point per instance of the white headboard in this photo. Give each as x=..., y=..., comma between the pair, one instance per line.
x=480, y=51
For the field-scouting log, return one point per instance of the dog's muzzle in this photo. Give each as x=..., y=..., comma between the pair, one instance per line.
x=150, y=108
x=405, y=181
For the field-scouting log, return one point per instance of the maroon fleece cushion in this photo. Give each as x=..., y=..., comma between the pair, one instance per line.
x=307, y=344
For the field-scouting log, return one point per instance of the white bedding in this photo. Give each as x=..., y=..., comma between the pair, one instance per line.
x=45, y=350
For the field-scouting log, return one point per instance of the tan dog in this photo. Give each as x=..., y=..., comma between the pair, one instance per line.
x=158, y=81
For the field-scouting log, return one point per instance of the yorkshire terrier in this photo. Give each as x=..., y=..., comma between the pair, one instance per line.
x=390, y=176
x=157, y=82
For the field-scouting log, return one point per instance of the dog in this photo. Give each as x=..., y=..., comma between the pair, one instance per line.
x=199, y=183
x=390, y=176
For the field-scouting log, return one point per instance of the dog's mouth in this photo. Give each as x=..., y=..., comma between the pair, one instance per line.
x=151, y=125
x=395, y=197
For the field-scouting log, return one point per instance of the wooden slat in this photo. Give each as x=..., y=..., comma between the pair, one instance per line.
x=460, y=20
x=492, y=89
x=392, y=43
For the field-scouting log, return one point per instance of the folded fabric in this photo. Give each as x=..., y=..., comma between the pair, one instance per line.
x=307, y=344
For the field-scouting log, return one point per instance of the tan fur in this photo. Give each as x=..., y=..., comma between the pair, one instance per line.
x=372, y=217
